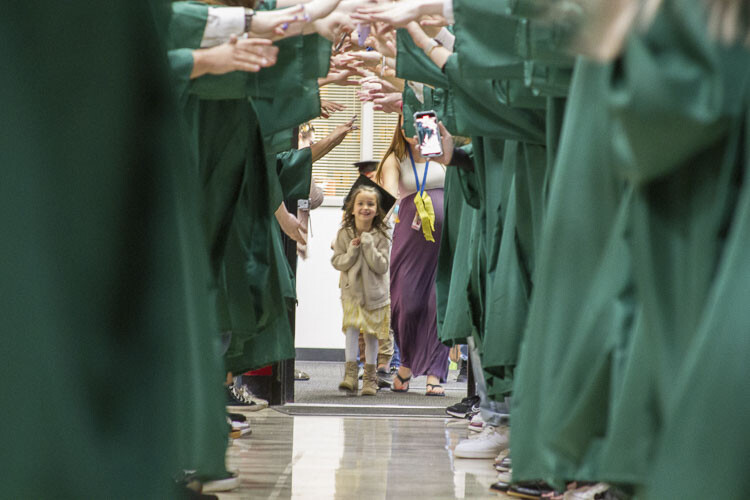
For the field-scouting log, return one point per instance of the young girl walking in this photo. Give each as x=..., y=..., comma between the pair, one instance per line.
x=362, y=253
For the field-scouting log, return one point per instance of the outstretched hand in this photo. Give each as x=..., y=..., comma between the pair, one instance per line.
x=274, y=23
x=395, y=14
x=327, y=108
x=291, y=226
x=333, y=25
x=246, y=54
x=338, y=77
x=341, y=131
x=388, y=103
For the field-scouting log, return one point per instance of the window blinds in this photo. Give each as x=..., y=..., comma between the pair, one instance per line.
x=335, y=173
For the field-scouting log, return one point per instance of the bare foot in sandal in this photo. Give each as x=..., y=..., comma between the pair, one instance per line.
x=400, y=382
x=433, y=386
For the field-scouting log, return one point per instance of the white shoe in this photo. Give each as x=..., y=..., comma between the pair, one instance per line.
x=505, y=477
x=487, y=444
x=243, y=428
x=586, y=492
x=476, y=424
x=225, y=484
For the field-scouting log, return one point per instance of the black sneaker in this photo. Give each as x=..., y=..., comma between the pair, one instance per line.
x=463, y=372
x=236, y=398
x=384, y=379
x=237, y=417
x=465, y=408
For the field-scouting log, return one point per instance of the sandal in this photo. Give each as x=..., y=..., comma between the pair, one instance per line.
x=431, y=390
x=404, y=384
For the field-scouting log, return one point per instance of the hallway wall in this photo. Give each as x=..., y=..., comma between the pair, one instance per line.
x=319, y=315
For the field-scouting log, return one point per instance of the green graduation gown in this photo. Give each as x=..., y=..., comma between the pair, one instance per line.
x=103, y=265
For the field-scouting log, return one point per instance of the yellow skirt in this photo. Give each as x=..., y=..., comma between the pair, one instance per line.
x=376, y=322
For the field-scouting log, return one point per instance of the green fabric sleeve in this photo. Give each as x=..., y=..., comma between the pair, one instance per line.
x=674, y=81
x=469, y=182
x=442, y=100
x=550, y=81
x=487, y=39
x=481, y=110
x=181, y=65
x=412, y=63
x=316, y=54
x=295, y=173
x=517, y=94
x=544, y=43
x=187, y=25
x=285, y=77
x=439, y=100
x=279, y=142
x=283, y=113
x=273, y=183
x=267, y=5
x=410, y=106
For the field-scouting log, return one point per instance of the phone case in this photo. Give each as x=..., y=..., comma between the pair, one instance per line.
x=421, y=139
x=303, y=215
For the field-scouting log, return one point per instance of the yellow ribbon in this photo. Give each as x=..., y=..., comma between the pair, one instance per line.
x=426, y=213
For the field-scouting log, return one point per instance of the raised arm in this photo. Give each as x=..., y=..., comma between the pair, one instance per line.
x=375, y=252
x=345, y=253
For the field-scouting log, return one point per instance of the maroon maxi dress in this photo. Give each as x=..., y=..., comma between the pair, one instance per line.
x=413, y=302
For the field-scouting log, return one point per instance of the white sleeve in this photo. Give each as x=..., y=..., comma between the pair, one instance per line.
x=446, y=39
x=448, y=11
x=418, y=89
x=223, y=22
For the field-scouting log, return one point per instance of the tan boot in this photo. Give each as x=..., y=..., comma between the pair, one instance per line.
x=370, y=381
x=350, y=382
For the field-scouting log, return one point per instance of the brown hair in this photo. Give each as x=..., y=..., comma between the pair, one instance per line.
x=378, y=223
x=398, y=147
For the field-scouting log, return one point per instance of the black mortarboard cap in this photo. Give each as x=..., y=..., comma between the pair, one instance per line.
x=366, y=166
x=386, y=199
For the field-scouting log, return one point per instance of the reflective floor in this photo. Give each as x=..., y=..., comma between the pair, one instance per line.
x=355, y=458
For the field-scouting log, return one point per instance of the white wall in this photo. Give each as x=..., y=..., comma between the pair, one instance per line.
x=319, y=315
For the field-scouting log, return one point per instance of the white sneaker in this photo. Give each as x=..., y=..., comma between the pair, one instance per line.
x=476, y=424
x=226, y=484
x=243, y=428
x=587, y=492
x=487, y=444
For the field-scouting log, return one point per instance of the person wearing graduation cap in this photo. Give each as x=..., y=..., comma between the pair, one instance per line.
x=361, y=252
x=387, y=347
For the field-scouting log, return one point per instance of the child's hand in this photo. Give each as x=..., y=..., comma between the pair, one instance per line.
x=356, y=242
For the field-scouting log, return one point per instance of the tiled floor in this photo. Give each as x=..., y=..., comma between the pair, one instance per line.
x=322, y=388
x=355, y=458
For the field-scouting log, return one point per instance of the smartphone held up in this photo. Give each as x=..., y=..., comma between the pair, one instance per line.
x=428, y=134
x=303, y=215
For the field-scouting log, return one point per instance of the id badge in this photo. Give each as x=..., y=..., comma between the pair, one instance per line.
x=416, y=224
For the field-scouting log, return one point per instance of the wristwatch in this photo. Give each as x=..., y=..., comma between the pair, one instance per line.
x=249, y=13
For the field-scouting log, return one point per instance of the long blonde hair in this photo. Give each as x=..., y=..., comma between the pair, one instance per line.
x=398, y=147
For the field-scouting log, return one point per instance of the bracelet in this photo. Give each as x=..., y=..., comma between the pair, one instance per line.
x=249, y=13
x=433, y=45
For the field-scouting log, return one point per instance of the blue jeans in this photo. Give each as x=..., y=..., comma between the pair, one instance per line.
x=494, y=413
x=396, y=359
